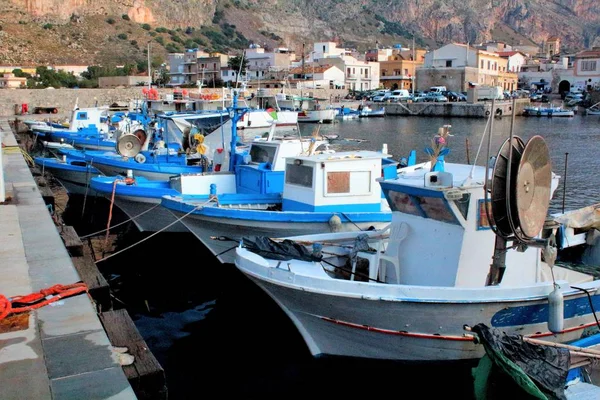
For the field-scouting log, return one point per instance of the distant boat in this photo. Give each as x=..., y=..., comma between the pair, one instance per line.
x=551, y=111
x=593, y=110
x=368, y=112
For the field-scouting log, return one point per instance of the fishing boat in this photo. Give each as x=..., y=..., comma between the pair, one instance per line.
x=447, y=259
x=593, y=109
x=136, y=194
x=94, y=119
x=551, y=111
x=72, y=173
x=345, y=113
x=368, y=112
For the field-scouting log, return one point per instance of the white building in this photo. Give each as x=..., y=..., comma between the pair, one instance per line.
x=359, y=74
x=516, y=60
x=317, y=76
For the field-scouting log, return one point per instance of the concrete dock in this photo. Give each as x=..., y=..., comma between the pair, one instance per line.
x=59, y=351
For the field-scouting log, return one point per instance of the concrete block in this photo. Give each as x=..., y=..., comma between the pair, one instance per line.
x=77, y=354
x=69, y=316
x=106, y=384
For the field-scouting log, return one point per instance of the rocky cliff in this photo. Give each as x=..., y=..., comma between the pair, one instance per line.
x=283, y=22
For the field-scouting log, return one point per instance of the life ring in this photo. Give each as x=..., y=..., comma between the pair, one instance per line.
x=498, y=112
x=539, y=113
x=487, y=113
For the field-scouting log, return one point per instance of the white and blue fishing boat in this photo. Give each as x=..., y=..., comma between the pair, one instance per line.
x=81, y=118
x=72, y=173
x=137, y=194
x=466, y=245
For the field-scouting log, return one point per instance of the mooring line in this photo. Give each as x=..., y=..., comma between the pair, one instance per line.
x=120, y=223
x=157, y=232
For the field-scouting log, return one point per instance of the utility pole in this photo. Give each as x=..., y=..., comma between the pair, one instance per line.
x=412, y=83
x=149, y=68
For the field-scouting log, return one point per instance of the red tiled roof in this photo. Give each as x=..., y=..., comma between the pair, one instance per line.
x=588, y=54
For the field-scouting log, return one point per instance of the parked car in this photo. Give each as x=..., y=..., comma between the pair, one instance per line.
x=454, y=96
x=399, y=95
x=435, y=97
x=381, y=96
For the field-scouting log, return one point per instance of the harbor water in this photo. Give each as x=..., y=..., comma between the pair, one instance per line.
x=215, y=332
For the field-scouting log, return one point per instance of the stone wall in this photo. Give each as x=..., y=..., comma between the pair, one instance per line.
x=65, y=99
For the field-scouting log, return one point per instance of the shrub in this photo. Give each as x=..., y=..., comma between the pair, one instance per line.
x=160, y=40
x=125, y=17
x=161, y=29
x=110, y=21
x=133, y=42
x=146, y=27
x=47, y=26
x=122, y=36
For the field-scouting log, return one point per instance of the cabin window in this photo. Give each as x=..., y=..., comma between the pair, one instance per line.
x=262, y=154
x=482, y=217
x=435, y=208
x=463, y=204
x=298, y=174
x=424, y=206
x=348, y=182
x=82, y=115
x=402, y=202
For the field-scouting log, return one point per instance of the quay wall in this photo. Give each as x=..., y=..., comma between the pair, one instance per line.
x=65, y=99
x=454, y=109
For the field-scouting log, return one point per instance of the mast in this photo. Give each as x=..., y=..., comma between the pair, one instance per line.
x=303, y=77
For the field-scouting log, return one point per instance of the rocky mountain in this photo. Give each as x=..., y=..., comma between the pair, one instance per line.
x=116, y=31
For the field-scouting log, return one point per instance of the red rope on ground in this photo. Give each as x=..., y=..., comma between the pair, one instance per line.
x=33, y=301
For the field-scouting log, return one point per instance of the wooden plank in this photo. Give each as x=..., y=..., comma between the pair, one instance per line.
x=72, y=242
x=146, y=376
x=97, y=285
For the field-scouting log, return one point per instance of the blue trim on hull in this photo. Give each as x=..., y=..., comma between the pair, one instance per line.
x=291, y=205
x=276, y=216
x=538, y=313
x=141, y=188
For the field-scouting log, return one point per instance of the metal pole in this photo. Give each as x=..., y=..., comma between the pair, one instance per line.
x=149, y=69
x=565, y=182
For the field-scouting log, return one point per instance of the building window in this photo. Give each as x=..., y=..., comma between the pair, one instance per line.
x=323, y=49
x=489, y=65
x=348, y=71
x=588, y=65
x=481, y=64
x=448, y=63
x=353, y=71
x=383, y=72
x=405, y=71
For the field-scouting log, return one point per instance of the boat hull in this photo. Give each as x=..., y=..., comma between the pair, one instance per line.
x=75, y=179
x=151, y=217
x=403, y=325
x=326, y=116
x=206, y=228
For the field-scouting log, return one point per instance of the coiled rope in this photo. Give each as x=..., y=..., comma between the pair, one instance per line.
x=19, y=304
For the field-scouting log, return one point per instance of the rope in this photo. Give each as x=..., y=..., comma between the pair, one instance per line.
x=348, y=218
x=33, y=301
x=128, y=181
x=120, y=223
x=590, y=301
x=155, y=233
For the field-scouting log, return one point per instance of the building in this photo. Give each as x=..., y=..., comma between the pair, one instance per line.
x=552, y=46
x=515, y=59
x=124, y=81
x=586, y=69
x=458, y=65
x=10, y=81
x=398, y=70
x=316, y=76
x=209, y=68
x=190, y=66
x=176, y=67
x=359, y=74
x=268, y=69
x=76, y=70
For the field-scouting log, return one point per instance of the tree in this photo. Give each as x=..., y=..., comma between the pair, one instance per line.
x=238, y=64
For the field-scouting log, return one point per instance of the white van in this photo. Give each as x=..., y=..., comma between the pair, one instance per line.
x=399, y=95
x=438, y=89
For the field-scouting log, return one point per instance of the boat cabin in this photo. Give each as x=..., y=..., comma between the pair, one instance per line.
x=89, y=118
x=450, y=241
x=342, y=182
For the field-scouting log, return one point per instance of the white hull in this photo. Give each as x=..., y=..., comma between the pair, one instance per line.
x=398, y=322
x=320, y=116
x=152, y=221
x=206, y=227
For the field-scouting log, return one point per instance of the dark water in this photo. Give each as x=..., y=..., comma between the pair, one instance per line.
x=214, y=331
